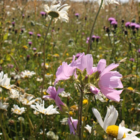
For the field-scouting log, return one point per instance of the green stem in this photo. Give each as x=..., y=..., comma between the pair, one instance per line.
x=90, y=41
x=80, y=113
x=44, y=54
x=1, y=125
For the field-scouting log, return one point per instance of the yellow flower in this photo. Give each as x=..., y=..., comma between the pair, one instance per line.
x=25, y=47
x=56, y=55
x=130, y=88
x=85, y=101
x=74, y=107
x=67, y=54
x=70, y=113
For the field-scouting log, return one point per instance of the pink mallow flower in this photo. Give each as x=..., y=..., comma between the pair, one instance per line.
x=109, y=80
x=53, y=94
x=72, y=125
x=65, y=71
x=83, y=62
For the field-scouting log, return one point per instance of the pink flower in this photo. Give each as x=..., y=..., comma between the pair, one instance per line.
x=64, y=72
x=72, y=124
x=54, y=95
x=83, y=62
x=109, y=80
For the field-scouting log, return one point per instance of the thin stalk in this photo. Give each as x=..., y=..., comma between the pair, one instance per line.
x=80, y=114
x=45, y=55
x=90, y=41
x=1, y=125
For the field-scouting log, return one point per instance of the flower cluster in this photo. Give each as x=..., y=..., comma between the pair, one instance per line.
x=107, y=79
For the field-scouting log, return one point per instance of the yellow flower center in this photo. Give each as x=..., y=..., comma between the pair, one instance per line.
x=113, y=130
x=17, y=110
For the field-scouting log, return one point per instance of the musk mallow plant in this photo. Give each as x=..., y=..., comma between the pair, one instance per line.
x=88, y=79
x=101, y=77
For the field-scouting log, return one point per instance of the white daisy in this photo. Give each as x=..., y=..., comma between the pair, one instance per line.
x=27, y=99
x=57, y=11
x=48, y=75
x=88, y=128
x=17, y=110
x=64, y=121
x=14, y=94
x=4, y=81
x=118, y=132
x=3, y=106
x=46, y=111
x=27, y=74
x=64, y=94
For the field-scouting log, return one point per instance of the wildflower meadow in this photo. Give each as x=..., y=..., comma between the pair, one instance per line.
x=69, y=70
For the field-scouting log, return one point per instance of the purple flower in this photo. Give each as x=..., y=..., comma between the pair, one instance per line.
x=93, y=38
x=30, y=43
x=132, y=25
x=111, y=19
x=127, y=24
x=28, y=57
x=114, y=22
x=138, y=50
x=53, y=94
x=34, y=49
x=97, y=38
x=30, y=33
x=22, y=30
x=132, y=59
x=38, y=35
x=109, y=80
x=72, y=125
x=42, y=13
x=23, y=15
x=13, y=23
x=137, y=26
x=88, y=38
x=77, y=15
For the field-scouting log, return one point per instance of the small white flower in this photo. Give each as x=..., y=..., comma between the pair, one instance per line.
x=64, y=94
x=88, y=128
x=27, y=74
x=3, y=106
x=27, y=99
x=39, y=79
x=17, y=110
x=51, y=135
x=50, y=110
x=48, y=75
x=64, y=121
x=14, y=94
